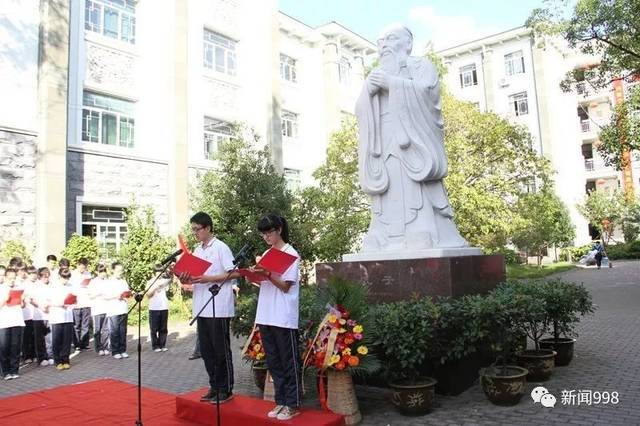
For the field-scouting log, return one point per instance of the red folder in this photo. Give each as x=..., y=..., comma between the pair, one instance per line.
x=183, y=245
x=254, y=277
x=277, y=261
x=85, y=282
x=15, y=297
x=71, y=299
x=191, y=264
x=125, y=294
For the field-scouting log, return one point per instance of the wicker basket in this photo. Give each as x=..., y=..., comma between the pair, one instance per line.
x=341, y=396
x=269, y=393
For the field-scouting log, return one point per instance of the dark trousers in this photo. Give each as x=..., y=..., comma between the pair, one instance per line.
x=101, y=332
x=39, y=331
x=283, y=362
x=81, y=327
x=118, y=333
x=215, y=348
x=158, y=325
x=10, y=346
x=598, y=259
x=28, y=349
x=62, y=336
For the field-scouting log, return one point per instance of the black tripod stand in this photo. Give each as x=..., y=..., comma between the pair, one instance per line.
x=139, y=297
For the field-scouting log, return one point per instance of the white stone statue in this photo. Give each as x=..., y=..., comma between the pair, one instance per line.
x=402, y=159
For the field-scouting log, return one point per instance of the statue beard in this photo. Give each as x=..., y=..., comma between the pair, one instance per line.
x=391, y=62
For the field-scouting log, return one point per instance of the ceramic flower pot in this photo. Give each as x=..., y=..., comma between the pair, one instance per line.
x=563, y=347
x=414, y=398
x=504, y=386
x=540, y=364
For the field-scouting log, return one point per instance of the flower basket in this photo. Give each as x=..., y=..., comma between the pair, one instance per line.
x=341, y=396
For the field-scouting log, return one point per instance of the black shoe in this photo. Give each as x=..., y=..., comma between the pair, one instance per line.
x=224, y=397
x=209, y=396
x=194, y=356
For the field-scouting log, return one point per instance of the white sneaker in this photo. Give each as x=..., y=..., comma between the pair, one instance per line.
x=287, y=413
x=44, y=363
x=157, y=350
x=14, y=376
x=276, y=410
x=117, y=356
x=51, y=362
x=164, y=349
x=102, y=353
x=124, y=355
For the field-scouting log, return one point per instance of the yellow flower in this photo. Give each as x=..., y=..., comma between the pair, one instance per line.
x=347, y=351
x=257, y=347
x=334, y=359
x=259, y=356
x=342, y=321
x=358, y=329
x=362, y=350
x=332, y=318
x=342, y=330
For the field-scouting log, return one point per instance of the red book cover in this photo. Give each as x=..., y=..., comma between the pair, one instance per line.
x=191, y=264
x=15, y=297
x=71, y=299
x=277, y=261
x=254, y=277
x=183, y=245
x=85, y=282
x=125, y=294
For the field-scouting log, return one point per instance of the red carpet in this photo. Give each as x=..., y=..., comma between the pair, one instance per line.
x=99, y=402
x=245, y=411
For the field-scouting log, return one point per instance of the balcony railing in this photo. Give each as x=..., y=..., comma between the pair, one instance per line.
x=585, y=126
x=588, y=164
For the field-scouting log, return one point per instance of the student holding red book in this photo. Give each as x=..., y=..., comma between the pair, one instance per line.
x=277, y=317
x=11, y=325
x=117, y=310
x=60, y=309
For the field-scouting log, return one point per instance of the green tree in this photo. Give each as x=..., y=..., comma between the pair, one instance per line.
x=243, y=186
x=143, y=246
x=492, y=164
x=335, y=212
x=630, y=218
x=622, y=133
x=604, y=212
x=14, y=248
x=546, y=222
x=80, y=246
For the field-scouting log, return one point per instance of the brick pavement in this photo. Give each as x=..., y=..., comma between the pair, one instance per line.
x=606, y=359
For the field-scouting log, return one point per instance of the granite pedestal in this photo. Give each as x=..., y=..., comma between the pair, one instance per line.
x=400, y=279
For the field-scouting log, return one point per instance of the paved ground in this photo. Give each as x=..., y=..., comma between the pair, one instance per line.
x=606, y=359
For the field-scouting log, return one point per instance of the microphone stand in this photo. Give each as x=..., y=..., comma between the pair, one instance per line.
x=138, y=298
x=214, y=289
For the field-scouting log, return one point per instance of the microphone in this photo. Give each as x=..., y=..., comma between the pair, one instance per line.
x=171, y=257
x=242, y=254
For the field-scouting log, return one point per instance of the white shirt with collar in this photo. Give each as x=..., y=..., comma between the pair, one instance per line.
x=81, y=291
x=159, y=301
x=221, y=258
x=10, y=316
x=275, y=307
x=115, y=305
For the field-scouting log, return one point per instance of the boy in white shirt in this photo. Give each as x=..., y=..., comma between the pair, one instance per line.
x=82, y=310
x=40, y=318
x=117, y=312
x=28, y=338
x=60, y=313
x=98, y=289
x=159, y=310
x=11, y=328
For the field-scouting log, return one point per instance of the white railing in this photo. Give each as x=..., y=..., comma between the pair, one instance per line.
x=585, y=126
x=588, y=164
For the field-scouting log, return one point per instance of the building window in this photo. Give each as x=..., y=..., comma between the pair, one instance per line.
x=215, y=133
x=514, y=63
x=468, y=76
x=519, y=103
x=289, y=124
x=344, y=71
x=293, y=178
x=111, y=18
x=107, y=225
x=287, y=68
x=107, y=120
x=219, y=53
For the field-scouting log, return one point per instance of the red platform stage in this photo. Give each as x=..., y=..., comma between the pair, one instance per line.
x=111, y=402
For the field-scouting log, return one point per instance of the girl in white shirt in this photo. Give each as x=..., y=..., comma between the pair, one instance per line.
x=11, y=328
x=61, y=319
x=40, y=320
x=98, y=289
x=277, y=317
x=159, y=311
x=117, y=312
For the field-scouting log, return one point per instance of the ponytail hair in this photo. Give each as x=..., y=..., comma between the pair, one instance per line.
x=273, y=221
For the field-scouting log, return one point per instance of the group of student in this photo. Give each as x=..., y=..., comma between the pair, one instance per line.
x=276, y=315
x=45, y=312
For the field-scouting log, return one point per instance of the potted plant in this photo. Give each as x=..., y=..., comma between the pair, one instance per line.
x=531, y=318
x=502, y=383
x=404, y=336
x=564, y=301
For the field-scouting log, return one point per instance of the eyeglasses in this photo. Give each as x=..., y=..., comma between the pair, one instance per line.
x=266, y=233
x=195, y=230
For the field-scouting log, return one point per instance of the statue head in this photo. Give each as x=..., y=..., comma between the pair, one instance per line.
x=397, y=40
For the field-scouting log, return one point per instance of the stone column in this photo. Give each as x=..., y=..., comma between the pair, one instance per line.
x=53, y=71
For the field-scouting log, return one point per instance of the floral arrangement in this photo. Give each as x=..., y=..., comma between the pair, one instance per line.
x=254, y=349
x=338, y=343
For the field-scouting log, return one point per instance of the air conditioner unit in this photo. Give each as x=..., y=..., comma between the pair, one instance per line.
x=503, y=82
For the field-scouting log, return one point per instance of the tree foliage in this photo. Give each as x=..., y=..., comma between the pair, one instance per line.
x=80, y=246
x=603, y=210
x=622, y=133
x=14, y=248
x=143, y=246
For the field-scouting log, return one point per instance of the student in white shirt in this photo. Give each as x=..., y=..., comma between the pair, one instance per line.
x=52, y=265
x=61, y=319
x=40, y=318
x=28, y=336
x=213, y=333
x=277, y=317
x=98, y=289
x=11, y=328
x=159, y=310
x=117, y=312
x=82, y=310
x=3, y=270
